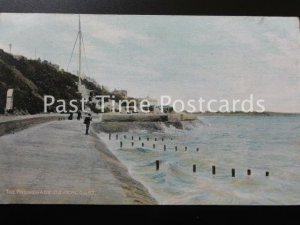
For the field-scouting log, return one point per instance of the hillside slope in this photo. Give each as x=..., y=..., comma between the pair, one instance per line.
x=32, y=79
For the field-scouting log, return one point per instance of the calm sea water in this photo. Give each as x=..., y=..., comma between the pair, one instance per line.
x=259, y=143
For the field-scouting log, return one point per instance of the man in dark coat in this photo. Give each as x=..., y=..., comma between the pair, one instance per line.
x=70, y=116
x=87, y=122
x=78, y=115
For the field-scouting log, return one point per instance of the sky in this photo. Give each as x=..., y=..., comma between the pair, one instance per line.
x=185, y=57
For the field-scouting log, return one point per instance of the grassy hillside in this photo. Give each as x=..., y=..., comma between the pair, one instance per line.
x=32, y=79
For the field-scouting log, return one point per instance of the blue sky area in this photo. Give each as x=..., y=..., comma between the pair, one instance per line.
x=186, y=57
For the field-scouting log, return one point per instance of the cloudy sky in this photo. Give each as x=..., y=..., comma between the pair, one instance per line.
x=182, y=56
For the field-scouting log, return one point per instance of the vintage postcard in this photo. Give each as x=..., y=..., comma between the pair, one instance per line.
x=140, y=109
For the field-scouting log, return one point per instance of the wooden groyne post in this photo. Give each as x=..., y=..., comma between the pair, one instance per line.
x=109, y=136
x=121, y=144
x=194, y=168
x=165, y=147
x=213, y=170
x=267, y=173
x=248, y=172
x=233, y=172
x=157, y=165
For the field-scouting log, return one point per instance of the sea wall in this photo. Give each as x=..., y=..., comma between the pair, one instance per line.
x=12, y=126
x=114, y=127
x=152, y=122
x=134, y=117
x=135, y=191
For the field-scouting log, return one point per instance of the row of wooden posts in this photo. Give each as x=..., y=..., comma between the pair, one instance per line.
x=143, y=144
x=176, y=148
x=132, y=138
x=154, y=146
x=213, y=169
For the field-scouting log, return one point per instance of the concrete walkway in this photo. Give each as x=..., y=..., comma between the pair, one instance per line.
x=55, y=163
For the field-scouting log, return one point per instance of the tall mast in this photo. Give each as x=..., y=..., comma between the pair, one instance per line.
x=79, y=59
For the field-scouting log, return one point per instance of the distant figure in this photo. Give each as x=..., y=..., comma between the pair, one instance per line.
x=87, y=122
x=70, y=116
x=78, y=115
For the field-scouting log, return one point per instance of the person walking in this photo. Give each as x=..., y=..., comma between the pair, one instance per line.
x=87, y=122
x=78, y=115
x=70, y=116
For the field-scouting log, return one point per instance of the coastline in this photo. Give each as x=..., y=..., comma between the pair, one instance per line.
x=38, y=159
x=135, y=191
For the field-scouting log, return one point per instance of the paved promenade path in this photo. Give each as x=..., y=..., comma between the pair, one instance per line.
x=56, y=162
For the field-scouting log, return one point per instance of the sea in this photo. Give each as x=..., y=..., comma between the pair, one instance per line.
x=252, y=145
